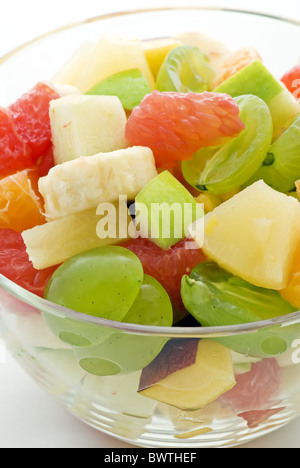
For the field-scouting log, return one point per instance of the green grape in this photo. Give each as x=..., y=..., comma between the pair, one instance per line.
x=281, y=168
x=152, y=306
x=122, y=353
x=216, y=298
x=130, y=86
x=193, y=168
x=235, y=163
x=102, y=282
x=186, y=69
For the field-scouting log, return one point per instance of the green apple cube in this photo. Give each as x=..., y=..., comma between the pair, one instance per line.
x=257, y=80
x=165, y=210
x=252, y=79
x=130, y=86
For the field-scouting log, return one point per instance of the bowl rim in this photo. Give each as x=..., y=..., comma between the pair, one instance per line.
x=176, y=332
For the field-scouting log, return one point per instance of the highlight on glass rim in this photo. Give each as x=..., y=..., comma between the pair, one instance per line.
x=150, y=238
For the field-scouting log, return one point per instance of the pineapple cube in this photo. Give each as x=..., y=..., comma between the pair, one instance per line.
x=254, y=235
x=55, y=242
x=113, y=55
x=71, y=72
x=86, y=125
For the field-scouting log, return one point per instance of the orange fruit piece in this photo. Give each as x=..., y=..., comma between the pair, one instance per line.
x=237, y=61
x=21, y=205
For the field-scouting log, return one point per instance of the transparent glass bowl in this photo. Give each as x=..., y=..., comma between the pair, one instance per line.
x=42, y=336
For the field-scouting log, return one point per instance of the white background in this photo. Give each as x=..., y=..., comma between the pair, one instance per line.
x=30, y=418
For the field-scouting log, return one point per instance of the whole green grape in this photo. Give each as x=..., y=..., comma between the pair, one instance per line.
x=185, y=69
x=102, y=282
x=217, y=298
x=122, y=353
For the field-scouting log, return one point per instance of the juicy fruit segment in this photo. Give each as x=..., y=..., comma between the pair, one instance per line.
x=284, y=109
x=167, y=266
x=71, y=71
x=217, y=298
x=130, y=86
x=291, y=79
x=86, y=125
x=15, y=156
x=55, y=242
x=237, y=61
x=84, y=183
x=113, y=55
x=233, y=164
x=16, y=266
x=256, y=390
x=102, y=282
x=156, y=51
x=176, y=125
x=152, y=306
x=165, y=209
x=25, y=135
x=264, y=219
x=188, y=374
x=281, y=168
x=20, y=204
x=185, y=69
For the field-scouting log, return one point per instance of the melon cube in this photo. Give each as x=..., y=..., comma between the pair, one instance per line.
x=254, y=235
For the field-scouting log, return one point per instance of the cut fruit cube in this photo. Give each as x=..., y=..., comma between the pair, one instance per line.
x=188, y=374
x=165, y=210
x=71, y=72
x=156, y=51
x=254, y=235
x=84, y=183
x=55, y=242
x=113, y=55
x=86, y=125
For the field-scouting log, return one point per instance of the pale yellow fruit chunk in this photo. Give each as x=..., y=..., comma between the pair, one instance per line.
x=83, y=183
x=113, y=55
x=199, y=384
x=157, y=50
x=254, y=235
x=71, y=71
x=54, y=243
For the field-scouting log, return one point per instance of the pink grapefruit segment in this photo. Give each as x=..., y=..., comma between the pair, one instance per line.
x=176, y=125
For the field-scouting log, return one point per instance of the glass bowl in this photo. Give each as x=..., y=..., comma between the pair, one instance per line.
x=67, y=353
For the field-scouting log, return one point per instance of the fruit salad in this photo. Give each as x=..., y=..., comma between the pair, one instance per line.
x=157, y=183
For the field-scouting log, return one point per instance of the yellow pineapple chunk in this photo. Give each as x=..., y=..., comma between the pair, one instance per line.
x=71, y=72
x=157, y=50
x=113, y=55
x=55, y=242
x=254, y=235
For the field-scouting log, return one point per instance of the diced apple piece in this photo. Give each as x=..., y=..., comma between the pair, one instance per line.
x=55, y=242
x=165, y=210
x=86, y=125
x=254, y=235
x=71, y=72
x=113, y=55
x=84, y=183
x=188, y=374
x=156, y=51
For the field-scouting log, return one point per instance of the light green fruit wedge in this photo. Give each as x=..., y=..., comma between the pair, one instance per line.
x=256, y=79
x=130, y=86
x=186, y=69
x=235, y=162
x=281, y=168
x=165, y=210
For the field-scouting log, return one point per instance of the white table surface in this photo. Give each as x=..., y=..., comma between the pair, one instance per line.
x=30, y=418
